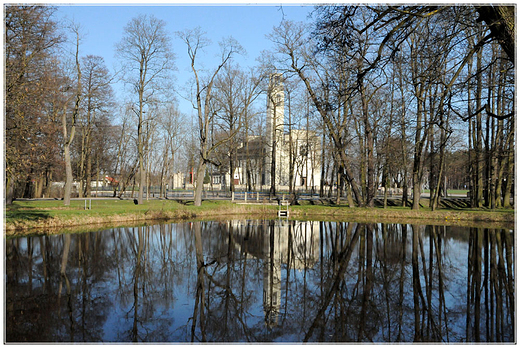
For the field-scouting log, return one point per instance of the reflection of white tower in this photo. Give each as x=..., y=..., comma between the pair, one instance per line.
x=275, y=118
x=274, y=242
x=272, y=273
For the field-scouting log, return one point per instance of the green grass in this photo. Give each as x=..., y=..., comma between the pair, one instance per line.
x=42, y=209
x=460, y=192
x=46, y=214
x=452, y=192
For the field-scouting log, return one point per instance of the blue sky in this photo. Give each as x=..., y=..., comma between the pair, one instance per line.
x=103, y=26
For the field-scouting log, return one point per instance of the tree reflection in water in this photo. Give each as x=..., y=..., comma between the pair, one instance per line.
x=272, y=280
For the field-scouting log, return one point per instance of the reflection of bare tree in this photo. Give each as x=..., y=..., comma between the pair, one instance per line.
x=328, y=281
x=343, y=259
x=56, y=264
x=367, y=284
x=497, y=282
x=416, y=282
x=63, y=268
x=63, y=277
x=229, y=276
x=136, y=280
x=199, y=297
x=427, y=323
x=442, y=309
x=402, y=270
x=289, y=260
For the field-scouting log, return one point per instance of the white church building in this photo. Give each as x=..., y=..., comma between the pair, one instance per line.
x=301, y=147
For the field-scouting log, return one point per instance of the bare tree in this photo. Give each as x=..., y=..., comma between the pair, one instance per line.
x=146, y=53
x=126, y=160
x=171, y=123
x=502, y=24
x=68, y=134
x=195, y=41
x=229, y=107
x=293, y=46
x=249, y=94
x=97, y=99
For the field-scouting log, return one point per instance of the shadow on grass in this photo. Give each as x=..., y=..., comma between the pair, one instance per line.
x=15, y=212
x=184, y=201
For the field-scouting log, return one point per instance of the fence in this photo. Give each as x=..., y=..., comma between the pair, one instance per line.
x=224, y=194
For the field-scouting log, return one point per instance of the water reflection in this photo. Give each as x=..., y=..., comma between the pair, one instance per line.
x=263, y=281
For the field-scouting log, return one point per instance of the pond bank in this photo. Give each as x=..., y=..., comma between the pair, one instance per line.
x=37, y=217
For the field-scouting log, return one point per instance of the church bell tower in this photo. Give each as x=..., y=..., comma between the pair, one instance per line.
x=275, y=119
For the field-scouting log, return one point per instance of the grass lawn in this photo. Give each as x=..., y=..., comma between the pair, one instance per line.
x=31, y=214
x=452, y=192
x=27, y=215
x=460, y=192
x=34, y=209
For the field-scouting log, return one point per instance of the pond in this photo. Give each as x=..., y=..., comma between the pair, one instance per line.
x=263, y=281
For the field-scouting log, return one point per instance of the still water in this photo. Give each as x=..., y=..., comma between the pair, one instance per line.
x=262, y=281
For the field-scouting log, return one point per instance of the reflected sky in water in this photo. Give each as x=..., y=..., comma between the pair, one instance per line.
x=262, y=281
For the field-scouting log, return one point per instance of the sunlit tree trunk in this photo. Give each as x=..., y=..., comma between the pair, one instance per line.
x=510, y=160
x=69, y=137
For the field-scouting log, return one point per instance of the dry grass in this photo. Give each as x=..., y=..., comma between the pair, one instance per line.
x=392, y=215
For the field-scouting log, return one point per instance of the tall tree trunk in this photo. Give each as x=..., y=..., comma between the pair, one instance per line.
x=404, y=149
x=440, y=175
x=81, y=166
x=70, y=137
x=417, y=172
x=479, y=156
x=510, y=173
x=431, y=176
x=272, y=189
x=88, y=171
x=369, y=149
x=435, y=199
x=9, y=188
x=500, y=145
x=199, y=183
x=66, y=149
x=339, y=179
x=68, y=175
x=291, y=154
x=142, y=176
x=248, y=159
x=231, y=172
x=322, y=177
x=140, y=135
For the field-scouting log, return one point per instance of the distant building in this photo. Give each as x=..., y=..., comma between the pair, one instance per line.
x=107, y=181
x=255, y=156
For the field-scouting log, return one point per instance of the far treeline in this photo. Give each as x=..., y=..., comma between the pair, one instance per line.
x=406, y=97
